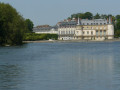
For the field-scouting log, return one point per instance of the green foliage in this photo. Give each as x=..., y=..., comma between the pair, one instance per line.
x=97, y=16
x=29, y=25
x=12, y=25
x=34, y=37
x=117, y=17
x=86, y=15
x=118, y=24
x=117, y=33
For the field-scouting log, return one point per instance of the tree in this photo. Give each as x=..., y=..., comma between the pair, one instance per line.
x=118, y=24
x=117, y=16
x=117, y=33
x=97, y=16
x=81, y=15
x=88, y=15
x=12, y=25
x=29, y=24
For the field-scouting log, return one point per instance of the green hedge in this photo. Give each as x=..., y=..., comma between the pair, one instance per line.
x=34, y=36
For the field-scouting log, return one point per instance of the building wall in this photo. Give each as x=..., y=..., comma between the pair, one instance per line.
x=110, y=31
x=66, y=33
x=47, y=32
x=89, y=32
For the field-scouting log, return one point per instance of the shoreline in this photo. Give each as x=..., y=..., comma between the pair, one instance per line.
x=49, y=41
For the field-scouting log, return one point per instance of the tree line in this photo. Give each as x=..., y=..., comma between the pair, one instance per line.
x=34, y=37
x=12, y=26
x=89, y=15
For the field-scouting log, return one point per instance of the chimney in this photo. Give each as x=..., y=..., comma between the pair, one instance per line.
x=111, y=20
x=107, y=20
x=64, y=20
x=69, y=20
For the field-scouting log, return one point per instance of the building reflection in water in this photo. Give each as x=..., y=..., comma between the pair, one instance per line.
x=89, y=71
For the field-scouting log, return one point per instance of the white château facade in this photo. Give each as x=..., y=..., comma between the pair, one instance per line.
x=84, y=29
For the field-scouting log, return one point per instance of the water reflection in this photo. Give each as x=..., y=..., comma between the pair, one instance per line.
x=85, y=73
x=9, y=75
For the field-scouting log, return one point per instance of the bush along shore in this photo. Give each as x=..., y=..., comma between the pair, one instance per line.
x=35, y=37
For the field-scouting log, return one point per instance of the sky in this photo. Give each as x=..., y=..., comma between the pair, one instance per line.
x=52, y=11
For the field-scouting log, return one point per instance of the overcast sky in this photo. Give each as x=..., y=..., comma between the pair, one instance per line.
x=51, y=11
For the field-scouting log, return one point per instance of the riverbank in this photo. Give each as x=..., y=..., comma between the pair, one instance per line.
x=47, y=41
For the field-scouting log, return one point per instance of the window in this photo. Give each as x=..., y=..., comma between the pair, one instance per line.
x=83, y=32
x=66, y=32
x=72, y=32
x=87, y=32
x=101, y=32
x=87, y=23
x=97, y=32
x=104, y=32
x=91, y=32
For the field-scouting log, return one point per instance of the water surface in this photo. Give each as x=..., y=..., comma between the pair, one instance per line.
x=61, y=66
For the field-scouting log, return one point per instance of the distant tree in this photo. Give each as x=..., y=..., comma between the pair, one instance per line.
x=69, y=18
x=118, y=24
x=74, y=16
x=103, y=16
x=88, y=15
x=12, y=25
x=97, y=16
x=29, y=24
x=117, y=17
x=117, y=33
x=81, y=15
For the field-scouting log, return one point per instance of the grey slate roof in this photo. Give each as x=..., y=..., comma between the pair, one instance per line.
x=44, y=29
x=67, y=24
x=93, y=22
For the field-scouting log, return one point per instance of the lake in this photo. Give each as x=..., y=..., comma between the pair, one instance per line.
x=61, y=66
